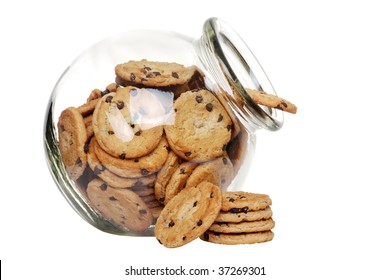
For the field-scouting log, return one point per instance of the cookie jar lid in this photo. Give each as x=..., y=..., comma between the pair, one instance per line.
x=240, y=70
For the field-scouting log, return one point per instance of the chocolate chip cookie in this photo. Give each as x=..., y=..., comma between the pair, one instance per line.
x=72, y=139
x=202, y=127
x=188, y=215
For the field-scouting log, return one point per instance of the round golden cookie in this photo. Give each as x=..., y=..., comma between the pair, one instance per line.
x=114, y=127
x=273, y=101
x=164, y=175
x=202, y=127
x=121, y=206
x=242, y=202
x=72, y=138
x=153, y=73
x=188, y=215
x=237, y=238
x=178, y=180
x=110, y=178
x=228, y=217
x=137, y=167
x=253, y=226
x=219, y=171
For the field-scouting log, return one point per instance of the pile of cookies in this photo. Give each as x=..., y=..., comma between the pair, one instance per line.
x=244, y=218
x=156, y=134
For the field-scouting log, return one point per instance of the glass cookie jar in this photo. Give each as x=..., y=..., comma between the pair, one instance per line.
x=139, y=116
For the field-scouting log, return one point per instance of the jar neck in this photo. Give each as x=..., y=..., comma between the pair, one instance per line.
x=230, y=68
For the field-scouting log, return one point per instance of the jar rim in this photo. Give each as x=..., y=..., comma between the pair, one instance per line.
x=242, y=70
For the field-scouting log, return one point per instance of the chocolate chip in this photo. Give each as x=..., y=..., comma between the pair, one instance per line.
x=195, y=204
x=229, y=127
x=142, y=111
x=206, y=236
x=199, y=223
x=175, y=75
x=109, y=99
x=142, y=211
x=120, y=105
x=136, y=160
x=133, y=92
x=209, y=107
x=156, y=73
x=132, y=77
x=137, y=133
x=211, y=195
x=231, y=200
x=184, y=237
x=122, y=156
x=62, y=128
x=239, y=210
x=182, y=170
x=86, y=148
x=187, y=154
x=171, y=224
x=103, y=187
x=112, y=198
x=79, y=162
x=132, y=125
x=284, y=104
x=105, y=92
x=150, y=75
x=225, y=161
x=245, y=209
x=199, y=98
x=144, y=171
x=96, y=171
x=220, y=118
x=147, y=68
x=110, y=132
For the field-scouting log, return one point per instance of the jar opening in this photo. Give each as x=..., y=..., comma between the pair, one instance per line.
x=236, y=68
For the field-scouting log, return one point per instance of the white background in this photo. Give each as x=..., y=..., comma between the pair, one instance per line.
x=326, y=170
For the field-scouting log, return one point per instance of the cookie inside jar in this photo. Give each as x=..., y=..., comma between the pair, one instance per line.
x=155, y=130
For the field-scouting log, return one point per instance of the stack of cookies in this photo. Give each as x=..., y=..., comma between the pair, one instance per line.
x=154, y=133
x=244, y=218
